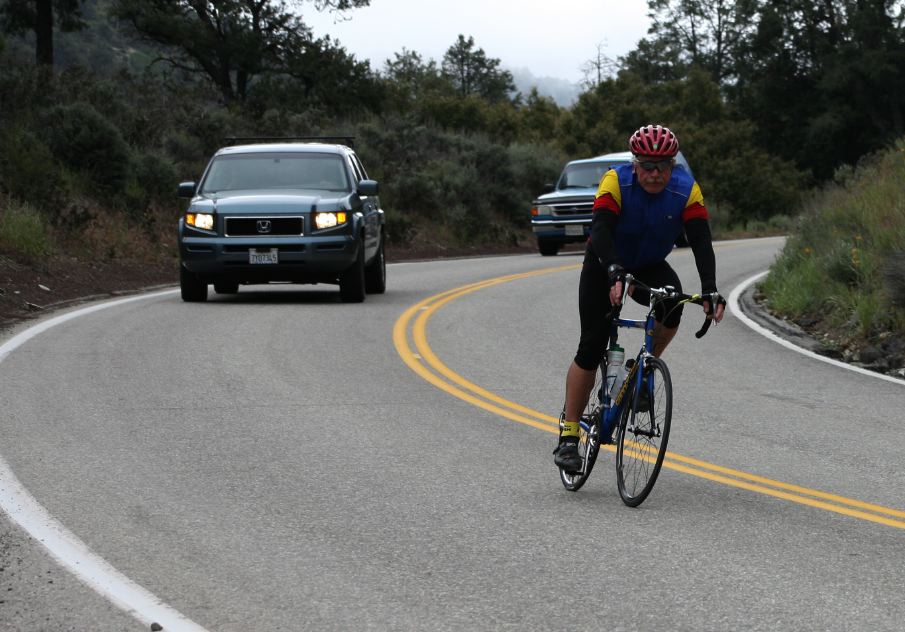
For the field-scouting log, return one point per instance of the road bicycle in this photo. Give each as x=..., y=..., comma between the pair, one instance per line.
x=638, y=411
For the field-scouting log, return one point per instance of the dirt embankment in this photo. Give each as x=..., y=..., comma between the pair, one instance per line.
x=28, y=291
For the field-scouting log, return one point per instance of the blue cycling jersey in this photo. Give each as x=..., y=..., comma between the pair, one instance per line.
x=648, y=224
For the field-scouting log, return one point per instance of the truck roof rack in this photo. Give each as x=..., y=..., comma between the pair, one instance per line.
x=348, y=141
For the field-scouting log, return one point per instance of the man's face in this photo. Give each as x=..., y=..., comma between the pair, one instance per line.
x=653, y=172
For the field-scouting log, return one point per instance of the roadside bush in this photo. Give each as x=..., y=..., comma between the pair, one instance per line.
x=779, y=184
x=400, y=229
x=24, y=233
x=83, y=140
x=893, y=270
x=534, y=165
x=212, y=126
x=188, y=152
x=495, y=174
x=155, y=175
x=28, y=171
x=844, y=264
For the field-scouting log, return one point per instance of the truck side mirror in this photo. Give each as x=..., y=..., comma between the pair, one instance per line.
x=367, y=188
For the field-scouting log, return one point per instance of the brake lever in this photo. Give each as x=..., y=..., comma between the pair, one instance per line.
x=710, y=313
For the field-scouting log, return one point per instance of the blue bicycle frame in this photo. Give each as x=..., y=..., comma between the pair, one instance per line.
x=613, y=405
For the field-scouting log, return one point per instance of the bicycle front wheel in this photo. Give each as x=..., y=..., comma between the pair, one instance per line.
x=644, y=433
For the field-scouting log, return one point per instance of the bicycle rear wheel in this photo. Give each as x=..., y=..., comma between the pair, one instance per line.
x=588, y=438
x=588, y=448
x=642, y=437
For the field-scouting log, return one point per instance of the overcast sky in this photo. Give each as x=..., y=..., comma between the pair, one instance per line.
x=551, y=38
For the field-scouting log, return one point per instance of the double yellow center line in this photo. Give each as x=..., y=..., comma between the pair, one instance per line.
x=410, y=340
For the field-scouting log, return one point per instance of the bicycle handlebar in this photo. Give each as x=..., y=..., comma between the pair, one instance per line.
x=663, y=293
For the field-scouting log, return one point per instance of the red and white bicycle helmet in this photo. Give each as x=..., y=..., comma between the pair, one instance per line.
x=655, y=141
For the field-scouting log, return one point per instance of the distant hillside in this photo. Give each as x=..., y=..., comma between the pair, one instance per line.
x=562, y=91
x=101, y=46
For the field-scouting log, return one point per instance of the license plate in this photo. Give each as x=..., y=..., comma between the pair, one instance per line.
x=572, y=229
x=268, y=257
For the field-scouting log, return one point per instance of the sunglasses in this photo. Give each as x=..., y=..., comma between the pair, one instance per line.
x=659, y=165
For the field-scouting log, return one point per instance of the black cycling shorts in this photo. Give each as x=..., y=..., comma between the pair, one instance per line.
x=594, y=305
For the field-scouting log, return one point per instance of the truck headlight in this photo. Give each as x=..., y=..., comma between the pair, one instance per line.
x=329, y=219
x=541, y=209
x=204, y=221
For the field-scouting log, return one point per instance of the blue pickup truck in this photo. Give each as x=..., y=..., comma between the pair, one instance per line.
x=562, y=215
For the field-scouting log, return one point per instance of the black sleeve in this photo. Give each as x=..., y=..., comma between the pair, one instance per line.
x=698, y=232
x=603, y=225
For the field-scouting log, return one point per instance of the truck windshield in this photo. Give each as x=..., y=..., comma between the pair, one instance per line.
x=276, y=170
x=585, y=175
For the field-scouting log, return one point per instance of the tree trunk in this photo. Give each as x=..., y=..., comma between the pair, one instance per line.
x=241, y=84
x=44, y=32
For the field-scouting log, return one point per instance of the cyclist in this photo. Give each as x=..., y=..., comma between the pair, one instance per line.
x=640, y=210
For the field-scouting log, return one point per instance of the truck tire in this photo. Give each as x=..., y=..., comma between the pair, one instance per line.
x=547, y=248
x=193, y=289
x=352, y=280
x=376, y=272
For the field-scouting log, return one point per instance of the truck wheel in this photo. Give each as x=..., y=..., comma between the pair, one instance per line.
x=352, y=280
x=376, y=273
x=547, y=248
x=192, y=288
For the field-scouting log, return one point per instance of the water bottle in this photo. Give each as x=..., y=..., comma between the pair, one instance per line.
x=615, y=356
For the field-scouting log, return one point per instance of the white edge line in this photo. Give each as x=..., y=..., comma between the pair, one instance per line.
x=63, y=545
x=737, y=312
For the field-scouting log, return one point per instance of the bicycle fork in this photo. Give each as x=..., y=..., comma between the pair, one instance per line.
x=644, y=383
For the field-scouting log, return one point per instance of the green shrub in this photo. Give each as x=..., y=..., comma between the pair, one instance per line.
x=797, y=284
x=845, y=263
x=893, y=271
x=28, y=170
x=400, y=229
x=535, y=165
x=213, y=126
x=83, y=140
x=155, y=175
x=189, y=155
x=24, y=232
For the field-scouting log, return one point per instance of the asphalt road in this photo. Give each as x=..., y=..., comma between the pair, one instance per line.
x=278, y=460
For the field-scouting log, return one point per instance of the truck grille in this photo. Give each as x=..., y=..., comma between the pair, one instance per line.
x=573, y=208
x=281, y=225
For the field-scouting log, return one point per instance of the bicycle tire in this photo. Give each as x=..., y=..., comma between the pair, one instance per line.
x=640, y=448
x=588, y=440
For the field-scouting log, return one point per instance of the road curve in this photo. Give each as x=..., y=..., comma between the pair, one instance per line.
x=271, y=461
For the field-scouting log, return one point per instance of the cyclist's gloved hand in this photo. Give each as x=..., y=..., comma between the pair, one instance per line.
x=616, y=273
x=715, y=311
